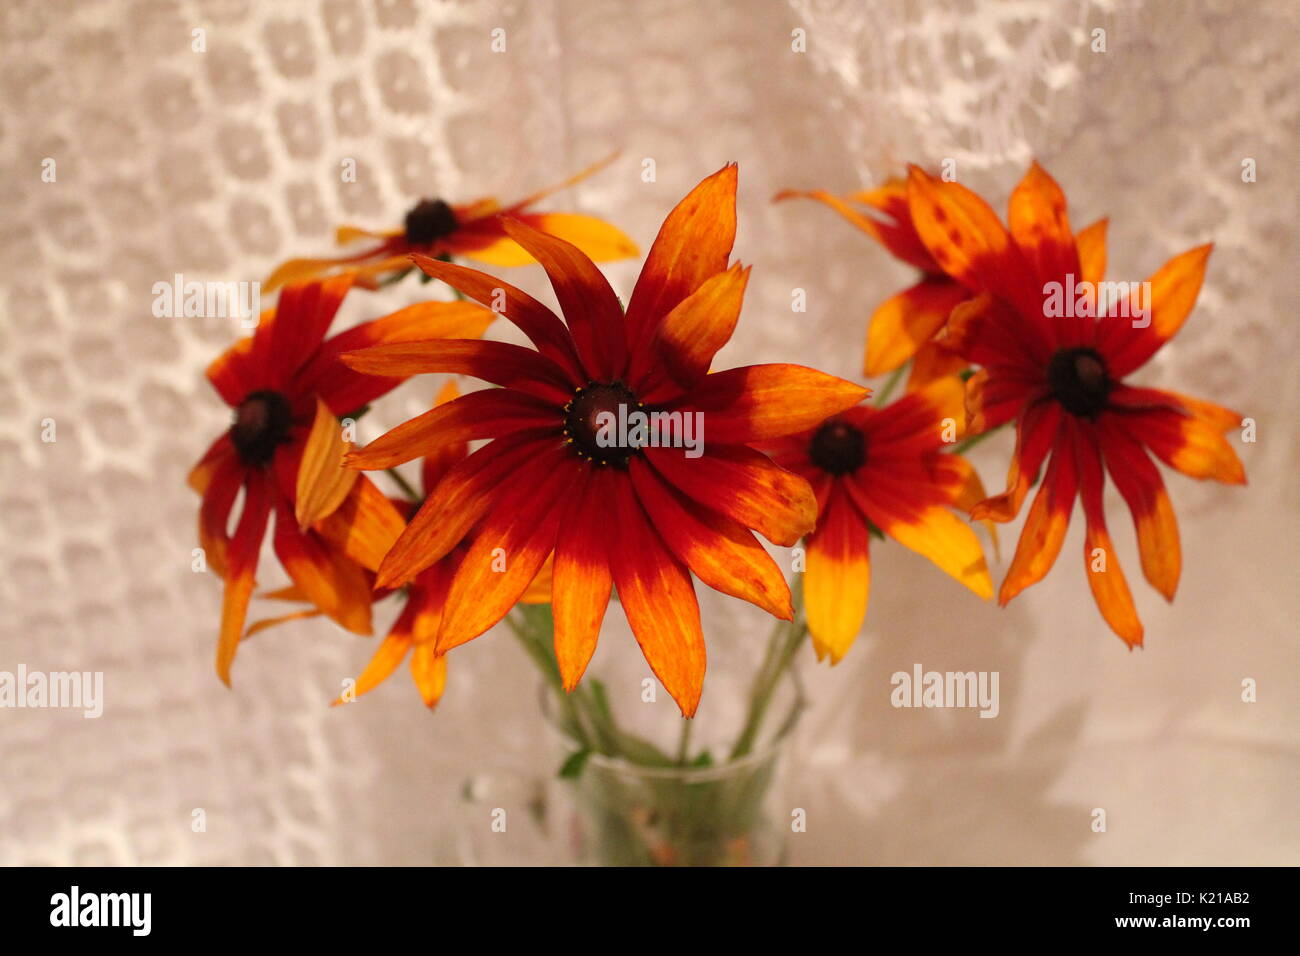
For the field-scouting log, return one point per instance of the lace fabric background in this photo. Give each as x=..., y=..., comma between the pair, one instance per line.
x=218, y=164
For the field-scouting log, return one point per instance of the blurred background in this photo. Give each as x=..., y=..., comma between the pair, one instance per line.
x=218, y=164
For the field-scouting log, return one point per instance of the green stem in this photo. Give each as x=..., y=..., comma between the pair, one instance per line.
x=891, y=383
x=405, y=485
x=780, y=653
x=684, y=741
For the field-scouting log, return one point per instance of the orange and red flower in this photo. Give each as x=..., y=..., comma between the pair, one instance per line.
x=909, y=325
x=1059, y=375
x=630, y=515
x=885, y=468
x=474, y=230
x=288, y=388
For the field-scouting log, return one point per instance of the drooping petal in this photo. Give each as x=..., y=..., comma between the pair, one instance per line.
x=1139, y=481
x=241, y=569
x=214, y=513
x=693, y=244
x=429, y=669
x=723, y=555
x=219, y=453
x=488, y=413
x=542, y=326
x=1216, y=416
x=334, y=583
x=1105, y=578
x=581, y=580
x=345, y=390
x=658, y=597
x=1035, y=435
x=837, y=579
x=744, y=485
x=387, y=657
x=1128, y=342
x=323, y=482
x=455, y=505
x=1049, y=517
x=517, y=535
x=906, y=321
x=756, y=402
x=592, y=310
x=500, y=363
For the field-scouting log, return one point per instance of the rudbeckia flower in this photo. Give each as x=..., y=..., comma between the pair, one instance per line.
x=416, y=627
x=288, y=388
x=616, y=509
x=909, y=325
x=473, y=230
x=1059, y=374
x=887, y=469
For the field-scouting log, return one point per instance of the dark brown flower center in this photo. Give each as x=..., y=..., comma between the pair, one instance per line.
x=1079, y=381
x=431, y=219
x=262, y=423
x=838, y=447
x=591, y=422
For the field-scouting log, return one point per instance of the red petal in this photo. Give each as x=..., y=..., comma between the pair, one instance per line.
x=511, y=366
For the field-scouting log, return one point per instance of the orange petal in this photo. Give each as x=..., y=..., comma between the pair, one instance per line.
x=1049, y=517
x=1035, y=434
x=1091, y=243
x=511, y=366
x=303, y=316
x=904, y=512
x=267, y=623
x=1188, y=444
x=1040, y=225
x=920, y=421
x=693, y=244
x=756, y=402
x=454, y=506
x=657, y=595
x=898, y=237
x=592, y=310
x=542, y=326
x=581, y=579
x=702, y=323
x=241, y=569
x=598, y=240
x=508, y=549
x=966, y=238
x=1174, y=290
x=745, y=486
x=232, y=373
x=429, y=669
x=1139, y=481
x=345, y=390
x=932, y=363
x=906, y=321
x=365, y=526
x=488, y=413
x=837, y=581
x=1105, y=577
x=323, y=482
x=333, y=582
x=723, y=555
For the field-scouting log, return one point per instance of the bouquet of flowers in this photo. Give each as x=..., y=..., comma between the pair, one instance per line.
x=612, y=461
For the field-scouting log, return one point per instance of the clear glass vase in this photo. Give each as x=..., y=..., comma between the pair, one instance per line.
x=640, y=809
